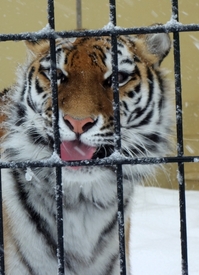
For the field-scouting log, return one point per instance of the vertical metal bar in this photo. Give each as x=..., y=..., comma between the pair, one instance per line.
x=59, y=193
x=79, y=14
x=180, y=150
x=116, y=107
x=2, y=269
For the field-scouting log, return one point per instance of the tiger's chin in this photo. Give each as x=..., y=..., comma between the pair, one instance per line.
x=90, y=170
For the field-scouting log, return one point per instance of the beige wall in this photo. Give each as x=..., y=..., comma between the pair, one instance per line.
x=25, y=15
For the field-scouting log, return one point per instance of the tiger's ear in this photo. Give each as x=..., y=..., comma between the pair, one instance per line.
x=37, y=48
x=158, y=44
x=152, y=48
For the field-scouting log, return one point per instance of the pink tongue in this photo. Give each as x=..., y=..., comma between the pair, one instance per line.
x=75, y=150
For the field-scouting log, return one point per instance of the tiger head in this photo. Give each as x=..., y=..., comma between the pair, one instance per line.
x=85, y=99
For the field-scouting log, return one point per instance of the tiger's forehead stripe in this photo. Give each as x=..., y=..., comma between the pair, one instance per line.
x=101, y=48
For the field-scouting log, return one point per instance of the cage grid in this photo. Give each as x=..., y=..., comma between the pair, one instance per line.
x=113, y=31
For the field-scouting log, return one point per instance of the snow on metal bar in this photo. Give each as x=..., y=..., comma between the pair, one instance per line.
x=170, y=26
x=112, y=160
x=59, y=193
x=180, y=150
x=116, y=109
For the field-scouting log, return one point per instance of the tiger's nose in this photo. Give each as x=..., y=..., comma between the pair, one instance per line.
x=79, y=126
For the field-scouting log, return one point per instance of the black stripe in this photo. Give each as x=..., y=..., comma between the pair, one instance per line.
x=40, y=224
x=107, y=134
x=103, y=239
x=125, y=105
x=23, y=259
x=154, y=137
x=130, y=94
x=137, y=71
x=160, y=81
x=137, y=88
x=136, y=59
x=31, y=103
x=39, y=89
x=11, y=152
x=146, y=119
x=110, y=266
x=44, y=97
x=108, y=126
x=126, y=61
x=83, y=39
x=30, y=76
x=108, y=229
x=100, y=50
x=151, y=86
x=20, y=110
x=29, y=99
x=138, y=100
x=101, y=53
x=21, y=114
x=120, y=44
x=162, y=98
x=138, y=111
x=43, y=74
x=23, y=90
x=155, y=140
x=106, y=232
x=35, y=137
x=58, y=50
x=94, y=60
x=149, y=115
x=160, y=107
x=4, y=92
x=66, y=59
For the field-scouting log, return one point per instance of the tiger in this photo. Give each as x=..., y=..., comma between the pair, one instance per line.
x=86, y=132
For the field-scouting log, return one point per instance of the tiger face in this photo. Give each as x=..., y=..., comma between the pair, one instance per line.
x=85, y=98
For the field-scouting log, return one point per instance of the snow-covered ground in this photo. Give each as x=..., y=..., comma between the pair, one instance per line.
x=155, y=234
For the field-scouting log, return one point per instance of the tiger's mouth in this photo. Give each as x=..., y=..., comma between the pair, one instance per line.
x=103, y=152
x=76, y=150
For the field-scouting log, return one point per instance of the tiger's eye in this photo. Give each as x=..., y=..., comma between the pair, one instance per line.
x=122, y=77
x=61, y=76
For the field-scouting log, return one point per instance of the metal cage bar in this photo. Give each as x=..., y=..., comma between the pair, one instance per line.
x=58, y=170
x=180, y=147
x=113, y=32
x=79, y=14
x=169, y=28
x=116, y=108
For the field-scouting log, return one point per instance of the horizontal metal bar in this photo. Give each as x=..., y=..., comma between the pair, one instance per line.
x=112, y=160
x=109, y=30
